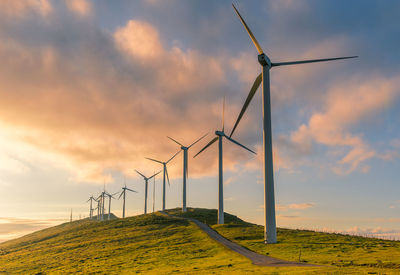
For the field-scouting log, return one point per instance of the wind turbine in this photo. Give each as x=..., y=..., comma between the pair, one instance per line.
x=123, y=192
x=219, y=136
x=185, y=167
x=165, y=173
x=91, y=199
x=267, y=65
x=101, y=200
x=110, y=196
x=146, y=181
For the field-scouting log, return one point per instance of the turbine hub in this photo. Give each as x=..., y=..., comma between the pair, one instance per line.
x=219, y=133
x=264, y=60
x=184, y=148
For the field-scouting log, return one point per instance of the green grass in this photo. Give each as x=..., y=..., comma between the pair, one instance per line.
x=350, y=254
x=156, y=244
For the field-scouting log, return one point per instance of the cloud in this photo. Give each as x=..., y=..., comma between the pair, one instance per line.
x=346, y=105
x=20, y=7
x=297, y=206
x=80, y=7
x=102, y=102
x=16, y=227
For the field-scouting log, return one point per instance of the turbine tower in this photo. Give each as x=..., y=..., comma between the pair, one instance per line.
x=267, y=65
x=185, y=167
x=123, y=192
x=165, y=173
x=219, y=136
x=146, y=181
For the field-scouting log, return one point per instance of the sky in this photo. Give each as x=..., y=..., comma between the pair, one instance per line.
x=88, y=89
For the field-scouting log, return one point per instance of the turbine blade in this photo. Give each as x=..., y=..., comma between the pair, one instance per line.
x=154, y=160
x=187, y=168
x=260, y=51
x=131, y=190
x=205, y=147
x=166, y=172
x=88, y=200
x=310, y=61
x=197, y=140
x=174, y=156
x=241, y=145
x=154, y=175
x=120, y=194
x=174, y=140
x=252, y=92
x=223, y=115
x=140, y=173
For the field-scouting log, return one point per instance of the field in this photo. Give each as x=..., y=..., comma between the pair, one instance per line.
x=156, y=244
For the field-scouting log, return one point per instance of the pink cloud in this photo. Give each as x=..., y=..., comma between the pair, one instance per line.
x=21, y=7
x=346, y=105
x=81, y=7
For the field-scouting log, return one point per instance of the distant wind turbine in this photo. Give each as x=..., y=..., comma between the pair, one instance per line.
x=110, y=196
x=219, y=136
x=165, y=173
x=123, y=192
x=146, y=181
x=91, y=199
x=185, y=166
x=267, y=65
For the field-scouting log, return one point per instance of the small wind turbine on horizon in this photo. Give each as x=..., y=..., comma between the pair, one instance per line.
x=185, y=167
x=91, y=199
x=219, y=136
x=102, y=202
x=165, y=173
x=110, y=196
x=146, y=181
x=267, y=65
x=123, y=192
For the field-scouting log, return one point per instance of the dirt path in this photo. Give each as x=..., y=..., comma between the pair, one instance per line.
x=256, y=258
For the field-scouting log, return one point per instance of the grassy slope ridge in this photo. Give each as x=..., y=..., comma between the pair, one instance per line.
x=348, y=253
x=156, y=244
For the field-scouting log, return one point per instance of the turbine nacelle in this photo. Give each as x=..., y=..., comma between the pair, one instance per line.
x=264, y=60
x=220, y=133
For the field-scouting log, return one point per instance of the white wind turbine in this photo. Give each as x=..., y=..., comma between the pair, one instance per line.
x=146, y=181
x=219, y=136
x=123, y=192
x=101, y=198
x=267, y=65
x=91, y=199
x=185, y=167
x=110, y=196
x=165, y=173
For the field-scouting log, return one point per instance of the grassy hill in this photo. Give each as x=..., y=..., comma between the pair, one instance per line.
x=156, y=244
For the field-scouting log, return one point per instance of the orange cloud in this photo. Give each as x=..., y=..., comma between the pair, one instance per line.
x=103, y=108
x=81, y=7
x=297, y=206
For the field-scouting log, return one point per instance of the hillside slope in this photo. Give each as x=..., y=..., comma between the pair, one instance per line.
x=156, y=244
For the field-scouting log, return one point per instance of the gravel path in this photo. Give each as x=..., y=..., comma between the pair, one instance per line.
x=256, y=258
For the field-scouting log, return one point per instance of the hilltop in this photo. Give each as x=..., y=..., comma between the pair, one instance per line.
x=158, y=244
